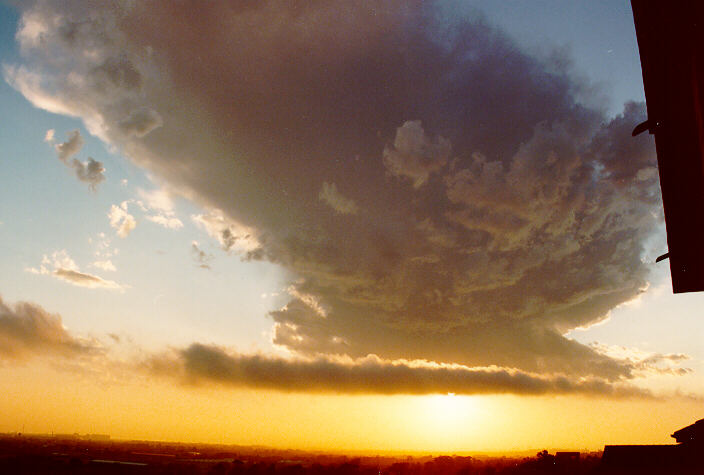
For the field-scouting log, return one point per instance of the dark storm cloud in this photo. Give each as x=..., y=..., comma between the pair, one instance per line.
x=493, y=211
x=28, y=330
x=369, y=375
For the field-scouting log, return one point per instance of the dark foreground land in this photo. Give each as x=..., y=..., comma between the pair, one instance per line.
x=23, y=454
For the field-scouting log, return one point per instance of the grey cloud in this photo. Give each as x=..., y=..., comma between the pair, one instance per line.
x=71, y=147
x=120, y=73
x=499, y=210
x=369, y=375
x=91, y=171
x=140, y=122
x=28, y=330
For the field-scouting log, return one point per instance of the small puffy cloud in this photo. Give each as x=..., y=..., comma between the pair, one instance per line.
x=230, y=235
x=90, y=171
x=69, y=148
x=26, y=330
x=369, y=375
x=61, y=266
x=414, y=155
x=121, y=220
x=140, y=122
x=105, y=265
x=337, y=200
x=58, y=260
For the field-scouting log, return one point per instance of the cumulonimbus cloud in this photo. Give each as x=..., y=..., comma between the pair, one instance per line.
x=500, y=210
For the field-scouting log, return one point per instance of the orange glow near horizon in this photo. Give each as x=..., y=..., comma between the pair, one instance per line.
x=41, y=399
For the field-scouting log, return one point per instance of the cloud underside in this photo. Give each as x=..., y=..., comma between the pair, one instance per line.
x=370, y=375
x=480, y=207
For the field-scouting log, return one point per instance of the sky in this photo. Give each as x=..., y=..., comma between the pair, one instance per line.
x=379, y=226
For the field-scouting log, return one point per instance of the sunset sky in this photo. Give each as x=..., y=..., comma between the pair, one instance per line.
x=369, y=226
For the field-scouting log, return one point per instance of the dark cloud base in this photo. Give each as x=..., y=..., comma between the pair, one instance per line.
x=370, y=375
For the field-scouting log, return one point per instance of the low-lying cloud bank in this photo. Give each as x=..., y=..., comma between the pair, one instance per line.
x=28, y=331
x=370, y=375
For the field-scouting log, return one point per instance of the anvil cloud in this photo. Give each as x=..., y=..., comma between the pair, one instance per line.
x=442, y=194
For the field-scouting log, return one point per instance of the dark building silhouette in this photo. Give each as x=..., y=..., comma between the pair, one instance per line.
x=691, y=435
x=566, y=458
x=670, y=37
x=684, y=457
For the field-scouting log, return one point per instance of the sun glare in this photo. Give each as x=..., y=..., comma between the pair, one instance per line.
x=448, y=412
